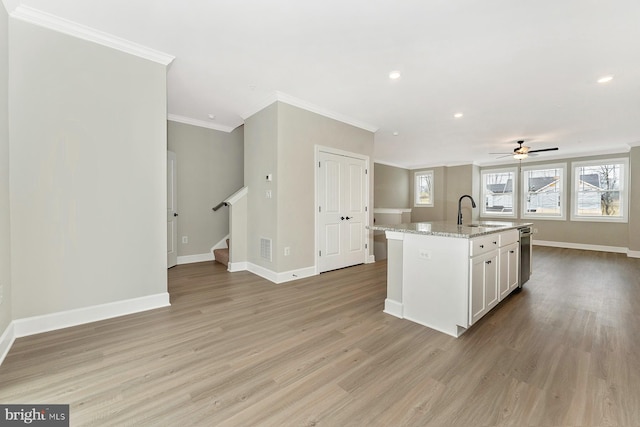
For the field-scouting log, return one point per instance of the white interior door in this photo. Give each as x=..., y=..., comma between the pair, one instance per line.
x=341, y=211
x=172, y=211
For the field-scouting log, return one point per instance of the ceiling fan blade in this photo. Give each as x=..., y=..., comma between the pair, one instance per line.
x=543, y=149
x=502, y=153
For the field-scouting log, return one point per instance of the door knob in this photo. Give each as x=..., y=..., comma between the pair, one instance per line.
x=348, y=218
x=175, y=214
x=341, y=218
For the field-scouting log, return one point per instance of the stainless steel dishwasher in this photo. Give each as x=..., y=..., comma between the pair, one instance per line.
x=525, y=255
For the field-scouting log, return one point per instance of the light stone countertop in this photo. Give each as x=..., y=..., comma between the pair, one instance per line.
x=451, y=229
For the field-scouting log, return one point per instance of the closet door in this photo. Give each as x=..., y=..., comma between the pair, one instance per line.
x=342, y=211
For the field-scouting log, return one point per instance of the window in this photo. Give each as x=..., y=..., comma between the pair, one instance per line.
x=600, y=191
x=423, y=183
x=543, y=191
x=498, y=193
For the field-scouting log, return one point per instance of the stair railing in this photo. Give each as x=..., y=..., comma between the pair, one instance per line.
x=231, y=199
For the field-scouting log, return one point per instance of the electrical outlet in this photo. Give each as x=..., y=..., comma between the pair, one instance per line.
x=268, y=194
x=424, y=254
x=185, y=239
x=287, y=251
x=535, y=231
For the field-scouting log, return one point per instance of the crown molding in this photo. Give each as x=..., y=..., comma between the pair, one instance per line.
x=395, y=165
x=296, y=102
x=61, y=25
x=199, y=123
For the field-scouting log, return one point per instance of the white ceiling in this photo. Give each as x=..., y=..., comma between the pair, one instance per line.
x=516, y=69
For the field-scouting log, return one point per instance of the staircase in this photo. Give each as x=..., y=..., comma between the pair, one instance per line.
x=222, y=255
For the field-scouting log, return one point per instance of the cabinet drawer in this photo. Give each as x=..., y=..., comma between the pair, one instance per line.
x=508, y=237
x=482, y=245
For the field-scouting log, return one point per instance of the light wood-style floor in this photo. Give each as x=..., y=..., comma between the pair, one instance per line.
x=236, y=350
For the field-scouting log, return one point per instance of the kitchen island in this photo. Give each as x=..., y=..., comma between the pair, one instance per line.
x=447, y=276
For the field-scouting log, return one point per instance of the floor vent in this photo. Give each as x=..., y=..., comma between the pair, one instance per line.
x=265, y=249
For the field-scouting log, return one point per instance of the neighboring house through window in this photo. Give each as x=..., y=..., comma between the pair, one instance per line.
x=498, y=193
x=600, y=190
x=543, y=191
x=423, y=193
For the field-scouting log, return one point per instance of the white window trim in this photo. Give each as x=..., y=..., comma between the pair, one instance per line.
x=624, y=191
x=563, y=195
x=514, y=213
x=415, y=189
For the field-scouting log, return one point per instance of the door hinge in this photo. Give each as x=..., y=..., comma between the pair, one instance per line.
x=319, y=164
x=319, y=208
x=366, y=171
x=366, y=209
x=366, y=245
x=319, y=253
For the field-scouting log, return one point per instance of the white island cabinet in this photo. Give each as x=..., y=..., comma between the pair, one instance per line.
x=446, y=276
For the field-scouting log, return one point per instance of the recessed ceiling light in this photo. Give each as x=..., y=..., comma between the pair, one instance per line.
x=212, y=116
x=605, y=79
x=458, y=115
x=394, y=75
x=396, y=133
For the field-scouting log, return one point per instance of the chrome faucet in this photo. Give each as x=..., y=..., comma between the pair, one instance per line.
x=473, y=205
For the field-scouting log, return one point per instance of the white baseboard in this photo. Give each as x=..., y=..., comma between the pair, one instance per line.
x=633, y=254
x=80, y=316
x=233, y=267
x=6, y=341
x=393, y=308
x=270, y=275
x=190, y=259
x=582, y=246
x=371, y=259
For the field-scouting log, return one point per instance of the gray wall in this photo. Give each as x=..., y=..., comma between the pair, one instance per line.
x=299, y=131
x=391, y=187
x=281, y=140
x=5, y=226
x=584, y=232
x=634, y=195
x=88, y=173
x=260, y=145
x=449, y=184
x=210, y=166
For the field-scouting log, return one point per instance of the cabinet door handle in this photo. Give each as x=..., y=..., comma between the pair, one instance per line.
x=488, y=262
x=495, y=243
x=512, y=252
x=481, y=246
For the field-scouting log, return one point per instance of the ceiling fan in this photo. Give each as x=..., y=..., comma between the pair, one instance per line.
x=522, y=151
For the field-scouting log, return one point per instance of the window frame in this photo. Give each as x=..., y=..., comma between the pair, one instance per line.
x=415, y=188
x=514, y=210
x=563, y=192
x=624, y=190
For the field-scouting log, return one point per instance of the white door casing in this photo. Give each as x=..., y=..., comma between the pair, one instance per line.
x=172, y=211
x=342, y=210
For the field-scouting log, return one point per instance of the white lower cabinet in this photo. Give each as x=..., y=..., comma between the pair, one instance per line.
x=483, y=295
x=494, y=263
x=508, y=279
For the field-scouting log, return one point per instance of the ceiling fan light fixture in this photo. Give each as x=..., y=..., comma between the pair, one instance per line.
x=520, y=156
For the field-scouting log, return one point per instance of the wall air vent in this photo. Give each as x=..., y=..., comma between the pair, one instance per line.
x=265, y=249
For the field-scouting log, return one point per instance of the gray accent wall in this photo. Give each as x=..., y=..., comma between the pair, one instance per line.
x=391, y=187
x=5, y=226
x=88, y=173
x=210, y=165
